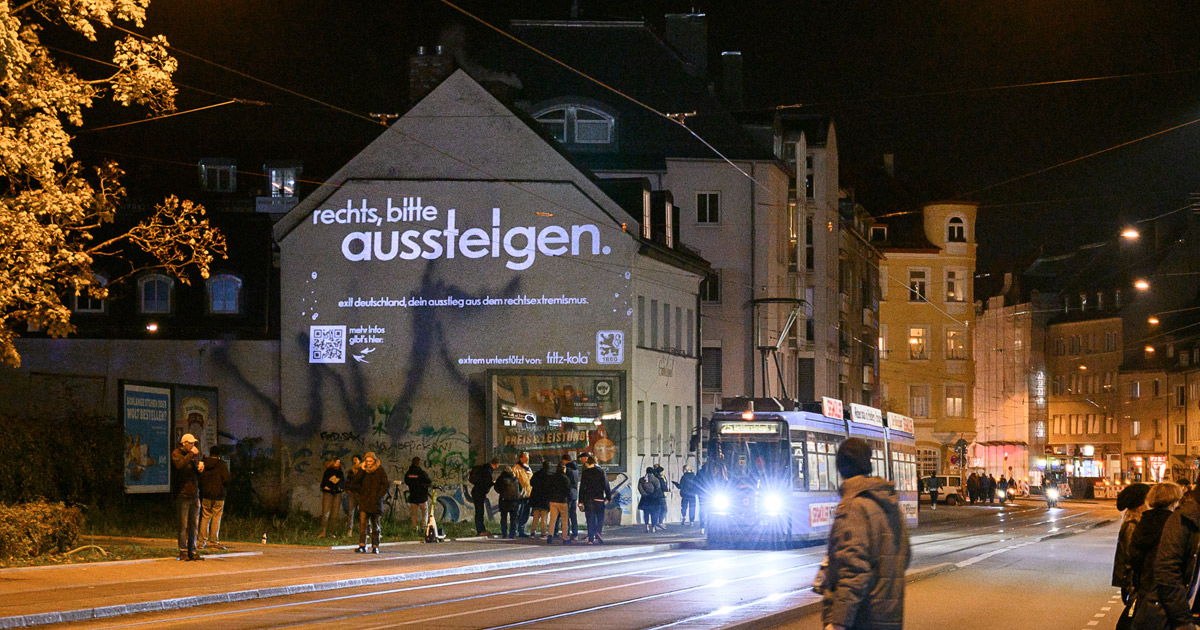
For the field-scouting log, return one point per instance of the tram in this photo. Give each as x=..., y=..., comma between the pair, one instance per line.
x=770, y=476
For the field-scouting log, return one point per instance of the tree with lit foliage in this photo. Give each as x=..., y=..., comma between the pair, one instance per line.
x=52, y=208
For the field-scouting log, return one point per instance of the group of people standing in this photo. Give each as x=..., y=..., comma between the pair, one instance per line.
x=550, y=496
x=1157, y=556
x=654, y=488
x=365, y=486
x=199, y=486
x=982, y=488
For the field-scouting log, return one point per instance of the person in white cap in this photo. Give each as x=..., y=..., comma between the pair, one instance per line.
x=186, y=481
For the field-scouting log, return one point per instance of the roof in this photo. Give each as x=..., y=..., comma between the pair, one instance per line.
x=905, y=233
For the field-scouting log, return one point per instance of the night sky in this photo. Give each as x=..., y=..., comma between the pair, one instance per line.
x=879, y=68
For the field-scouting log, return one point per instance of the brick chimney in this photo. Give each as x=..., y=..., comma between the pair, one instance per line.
x=427, y=71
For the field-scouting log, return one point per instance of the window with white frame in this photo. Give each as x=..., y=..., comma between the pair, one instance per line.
x=918, y=343
x=956, y=346
x=224, y=294
x=883, y=342
x=710, y=287
x=154, y=293
x=956, y=285
x=878, y=233
x=577, y=124
x=918, y=401
x=918, y=280
x=282, y=179
x=1134, y=390
x=1180, y=396
x=956, y=399
x=928, y=461
x=218, y=174
x=1180, y=434
x=85, y=303
x=956, y=230
x=708, y=207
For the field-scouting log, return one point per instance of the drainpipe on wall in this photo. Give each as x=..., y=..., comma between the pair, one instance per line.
x=753, y=278
x=699, y=386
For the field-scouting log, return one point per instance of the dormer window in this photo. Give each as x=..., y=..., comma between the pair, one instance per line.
x=224, y=294
x=878, y=233
x=577, y=124
x=85, y=303
x=218, y=174
x=956, y=232
x=281, y=177
x=154, y=293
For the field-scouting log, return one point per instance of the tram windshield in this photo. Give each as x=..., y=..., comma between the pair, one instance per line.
x=752, y=459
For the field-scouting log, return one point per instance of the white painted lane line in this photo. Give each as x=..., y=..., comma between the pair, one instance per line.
x=1106, y=608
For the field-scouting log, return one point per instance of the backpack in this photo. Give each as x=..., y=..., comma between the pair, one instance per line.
x=647, y=485
x=509, y=489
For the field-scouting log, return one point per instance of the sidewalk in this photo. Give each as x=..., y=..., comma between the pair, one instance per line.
x=55, y=594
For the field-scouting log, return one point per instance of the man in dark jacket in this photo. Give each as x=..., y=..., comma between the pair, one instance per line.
x=353, y=491
x=558, y=498
x=213, y=481
x=1174, y=564
x=481, y=485
x=373, y=491
x=188, y=466
x=868, y=553
x=687, y=496
x=594, y=495
x=573, y=478
x=418, y=483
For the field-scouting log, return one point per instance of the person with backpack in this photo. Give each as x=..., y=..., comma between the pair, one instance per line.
x=539, y=501
x=509, y=490
x=687, y=496
x=418, y=483
x=481, y=485
x=594, y=495
x=649, y=489
x=524, y=475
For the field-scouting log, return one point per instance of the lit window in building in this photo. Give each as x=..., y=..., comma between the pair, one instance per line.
x=918, y=342
x=918, y=401
x=282, y=180
x=224, y=292
x=928, y=460
x=577, y=124
x=955, y=400
x=956, y=347
x=956, y=285
x=155, y=294
x=917, y=281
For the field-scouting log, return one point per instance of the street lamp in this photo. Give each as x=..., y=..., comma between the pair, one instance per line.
x=1153, y=321
x=1149, y=349
x=1141, y=285
x=1130, y=234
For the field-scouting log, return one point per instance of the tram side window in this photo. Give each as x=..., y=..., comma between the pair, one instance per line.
x=822, y=470
x=878, y=460
x=798, y=481
x=904, y=467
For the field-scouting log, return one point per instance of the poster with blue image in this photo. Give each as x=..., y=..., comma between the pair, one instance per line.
x=146, y=411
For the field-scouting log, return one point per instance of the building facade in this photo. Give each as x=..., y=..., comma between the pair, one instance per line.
x=926, y=316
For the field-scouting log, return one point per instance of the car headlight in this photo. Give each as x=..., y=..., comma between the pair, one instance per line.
x=720, y=502
x=1052, y=493
x=773, y=503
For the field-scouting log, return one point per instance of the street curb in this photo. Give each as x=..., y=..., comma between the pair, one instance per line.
x=102, y=612
x=782, y=616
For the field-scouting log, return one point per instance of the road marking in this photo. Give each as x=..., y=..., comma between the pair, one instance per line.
x=1099, y=615
x=995, y=552
x=1106, y=608
x=1093, y=623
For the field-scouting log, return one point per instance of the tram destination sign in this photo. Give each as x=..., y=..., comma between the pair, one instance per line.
x=902, y=423
x=866, y=415
x=749, y=427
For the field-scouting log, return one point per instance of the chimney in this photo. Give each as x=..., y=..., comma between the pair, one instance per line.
x=687, y=33
x=889, y=164
x=731, y=79
x=426, y=71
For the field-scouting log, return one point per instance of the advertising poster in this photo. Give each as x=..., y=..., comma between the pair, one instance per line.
x=146, y=413
x=196, y=413
x=550, y=414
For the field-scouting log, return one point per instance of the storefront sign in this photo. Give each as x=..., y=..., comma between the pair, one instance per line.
x=831, y=408
x=821, y=514
x=146, y=413
x=899, y=422
x=866, y=415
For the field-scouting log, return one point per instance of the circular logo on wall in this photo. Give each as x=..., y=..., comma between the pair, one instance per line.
x=603, y=390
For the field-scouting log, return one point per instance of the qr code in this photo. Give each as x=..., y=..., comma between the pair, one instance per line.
x=327, y=344
x=610, y=347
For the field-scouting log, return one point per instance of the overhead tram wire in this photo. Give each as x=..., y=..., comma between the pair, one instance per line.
x=172, y=115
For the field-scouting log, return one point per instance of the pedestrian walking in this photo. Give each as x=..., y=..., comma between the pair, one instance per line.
x=594, y=495
x=186, y=481
x=558, y=496
x=353, y=492
x=374, y=490
x=539, y=501
x=862, y=584
x=572, y=472
x=990, y=489
x=648, y=488
x=687, y=496
x=418, y=483
x=524, y=475
x=509, y=491
x=973, y=488
x=481, y=485
x=1132, y=503
x=1162, y=500
x=332, y=483
x=933, y=486
x=213, y=482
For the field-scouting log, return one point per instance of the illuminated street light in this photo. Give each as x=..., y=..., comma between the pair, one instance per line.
x=1130, y=234
x=1149, y=349
x=1141, y=285
x=152, y=327
x=1082, y=367
x=1153, y=321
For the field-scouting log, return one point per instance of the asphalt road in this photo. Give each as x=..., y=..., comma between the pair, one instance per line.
x=986, y=565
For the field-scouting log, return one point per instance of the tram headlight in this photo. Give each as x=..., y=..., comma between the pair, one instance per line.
x=773, y=503
x=720, y=502
x=1052, y=493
